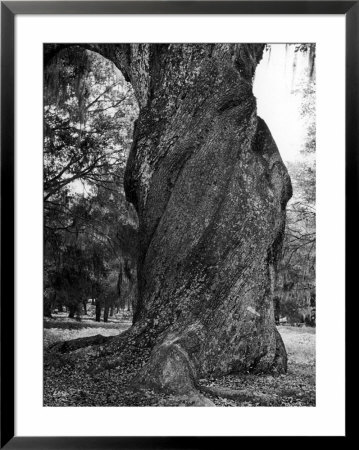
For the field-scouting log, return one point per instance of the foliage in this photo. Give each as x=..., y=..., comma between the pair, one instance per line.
x=310, y=50
x=89, y=228
x=296, y=280
x=89, y=110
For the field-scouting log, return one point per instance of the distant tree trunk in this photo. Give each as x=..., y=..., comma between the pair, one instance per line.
x=72, y=311
x=98, y=310
x=111, y=311
x=84, y=304
x=276, y=303
x=105, y=313
x=210, y=190
x=47, y=309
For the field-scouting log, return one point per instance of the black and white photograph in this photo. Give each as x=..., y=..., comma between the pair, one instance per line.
x=179, y=224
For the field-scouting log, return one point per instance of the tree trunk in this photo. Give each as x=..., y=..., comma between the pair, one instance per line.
x=72, y=310
x=105, y=313
x=98, y=311
x=47, y=309
x=84, y=304
x=276, y=304
x=210, y=190
x=111, y=311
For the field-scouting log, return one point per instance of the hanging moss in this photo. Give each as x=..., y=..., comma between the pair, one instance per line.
x=311, y=55
x=68, y=69
x=310, y=50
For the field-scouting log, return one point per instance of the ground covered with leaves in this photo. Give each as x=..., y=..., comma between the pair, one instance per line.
x=68, y=381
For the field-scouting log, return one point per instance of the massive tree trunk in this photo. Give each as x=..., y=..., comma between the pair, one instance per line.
x=210, y=190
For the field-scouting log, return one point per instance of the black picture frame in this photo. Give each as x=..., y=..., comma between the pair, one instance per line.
x=9, y=9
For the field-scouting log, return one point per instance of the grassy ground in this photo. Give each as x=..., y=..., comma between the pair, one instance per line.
x=60, y=328
x=295, y=388
x=68, y=383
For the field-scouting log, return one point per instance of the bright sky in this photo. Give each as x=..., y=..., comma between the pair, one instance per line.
x=277, y=105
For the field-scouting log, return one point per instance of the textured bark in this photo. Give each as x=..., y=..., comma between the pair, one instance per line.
x=210, y=190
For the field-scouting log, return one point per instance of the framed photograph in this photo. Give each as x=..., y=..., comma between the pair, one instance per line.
x=176, y=183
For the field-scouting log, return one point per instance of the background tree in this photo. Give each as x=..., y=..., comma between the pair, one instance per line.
x=296, y=280
x=89, y=114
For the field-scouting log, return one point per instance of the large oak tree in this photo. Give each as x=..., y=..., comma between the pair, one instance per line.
x=210, y=190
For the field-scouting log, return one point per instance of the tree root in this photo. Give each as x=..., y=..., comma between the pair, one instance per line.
x=76, y=344
x=235, y=394
x=194, y=398
x=169, y=369
x=199, y=399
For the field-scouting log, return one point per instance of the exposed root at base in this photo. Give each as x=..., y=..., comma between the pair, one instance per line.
x=194, y=398
x=191, y=398
x=234, y=394
x=169, y=369
x=76, y=344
